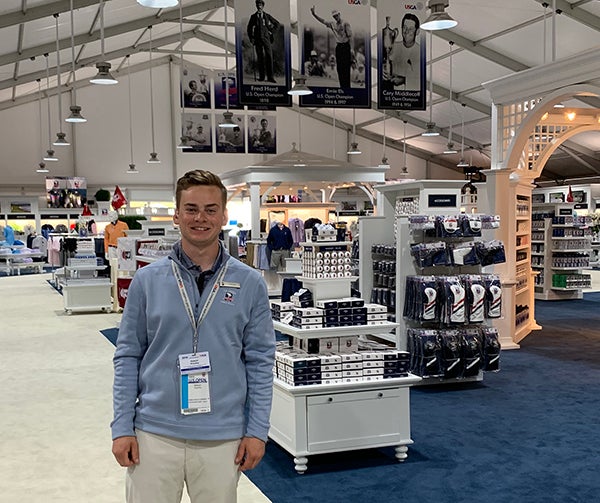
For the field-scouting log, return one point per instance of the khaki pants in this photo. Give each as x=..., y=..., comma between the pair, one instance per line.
x=206, y=467
x=278, y=259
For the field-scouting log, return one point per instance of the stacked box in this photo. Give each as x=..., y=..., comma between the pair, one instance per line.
x=331, y=369
x=302, y=298
x=280, y=311
x=395, y=363
x=298, y=369
x=306, y=318
x=325, y=262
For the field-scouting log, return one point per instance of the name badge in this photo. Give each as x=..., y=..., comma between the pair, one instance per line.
x=194, y=380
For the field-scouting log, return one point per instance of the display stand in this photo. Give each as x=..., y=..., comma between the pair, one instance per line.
x=324, y=418
x=83, y=291
x=561, y=249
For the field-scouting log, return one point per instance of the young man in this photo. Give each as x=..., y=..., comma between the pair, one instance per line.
x=193, y=363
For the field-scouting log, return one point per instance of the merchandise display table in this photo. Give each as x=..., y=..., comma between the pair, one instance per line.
x=87, y=295
x=324, y=418
x=12, y=262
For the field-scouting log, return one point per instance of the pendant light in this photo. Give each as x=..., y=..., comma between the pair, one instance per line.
x=61, y=140
x=462, y=163
x=404, y=172
x=438, y=18
x=157, y=4
x=103, y=77
x=75, y=109
x=300, y=88
x=384, y=159
x=430, y=127
x=50, y=152
x=450, y=146
x=42, y=165
x=131, y=169
x=227, y=121
x=354, y=150
x=153, y=155
x=184, y=139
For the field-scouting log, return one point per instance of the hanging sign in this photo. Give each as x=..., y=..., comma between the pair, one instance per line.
x=401, y=55
x=263, y=55
x=335, y=52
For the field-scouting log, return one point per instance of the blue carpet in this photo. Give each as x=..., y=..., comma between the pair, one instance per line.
x=111, y=334
x=525, y=434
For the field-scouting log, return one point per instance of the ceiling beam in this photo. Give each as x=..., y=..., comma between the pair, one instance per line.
x=113, y=31
x=42, y=11
x=576, y=13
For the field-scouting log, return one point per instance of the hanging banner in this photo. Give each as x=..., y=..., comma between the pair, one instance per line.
x=401, y=55
x=195, y=86
x=335, y=52
x=118, y=199
x=231, y=140
x=261, y=134
x=197, y=129
x=222, y=86
x=263, y=55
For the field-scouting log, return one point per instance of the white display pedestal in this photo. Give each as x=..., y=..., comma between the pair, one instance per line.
x=319, y=419
x=85, y=295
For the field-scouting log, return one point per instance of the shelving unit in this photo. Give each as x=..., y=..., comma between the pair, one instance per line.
x=84, y=291
x=563, y=252
x=315, y=419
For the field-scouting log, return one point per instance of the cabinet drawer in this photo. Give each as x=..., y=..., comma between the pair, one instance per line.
x=359, y=419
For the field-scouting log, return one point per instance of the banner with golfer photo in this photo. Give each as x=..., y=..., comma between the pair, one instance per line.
x=224, y=87
x=231, y=140
x=334, y=40
x=401, y=55
x=263, y=54
x=261, y=134
x=197, y=130
x=195, y=86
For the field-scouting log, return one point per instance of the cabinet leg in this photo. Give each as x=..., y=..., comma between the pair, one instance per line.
x=300, y=464
x=401, y=453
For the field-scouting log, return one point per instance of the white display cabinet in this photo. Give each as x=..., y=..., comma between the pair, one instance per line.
x=83, y=290
x=325, y=418
x=561, y=250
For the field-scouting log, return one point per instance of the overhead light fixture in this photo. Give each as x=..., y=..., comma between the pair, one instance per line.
x=430, y=126
x=300, y=88
x=153, y=155
x=404, y=171
x=462, y=163
x=184, y=139
x=570, y=116
x=450, y=149
x=354, y=150
x=227, y=121
x=103, y=77
x=42, y=168
x=384, y=159
x=132, y=170
x=438, y=18
x=61, y=138
x=559, y=105
x=131, y=163
x=75, y=109
x=50, y=152
x=158, y=4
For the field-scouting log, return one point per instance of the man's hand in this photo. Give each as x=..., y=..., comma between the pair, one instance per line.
x=125, y=450
x=249, y=454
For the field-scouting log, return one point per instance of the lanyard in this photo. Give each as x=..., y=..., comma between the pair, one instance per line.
x=188, y=305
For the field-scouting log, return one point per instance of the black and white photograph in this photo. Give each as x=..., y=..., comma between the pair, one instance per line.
x=401, y=58
x=262, y=134
x=263, y=53
x=196, y=86
x=232, y=140
x=335, y=52
x=197, y=129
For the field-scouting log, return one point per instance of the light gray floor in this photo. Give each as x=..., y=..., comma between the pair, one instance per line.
x=56, y=379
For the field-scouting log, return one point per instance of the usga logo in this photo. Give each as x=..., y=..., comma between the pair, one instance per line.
x=356, y=2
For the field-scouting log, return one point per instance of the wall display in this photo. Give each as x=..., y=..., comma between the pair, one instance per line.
x=196, y=86
x=556, y=197
x=221, y=87
x=232, y=140
x=263, y=55
x=66, y=192
x=198, y=131
x=579, y=196
x=401, y=56
x=20, y=207
x=262, y=134
x=538, y=198
x=335, y=52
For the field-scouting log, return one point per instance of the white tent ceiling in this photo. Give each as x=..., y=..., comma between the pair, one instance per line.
x=492, y=39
